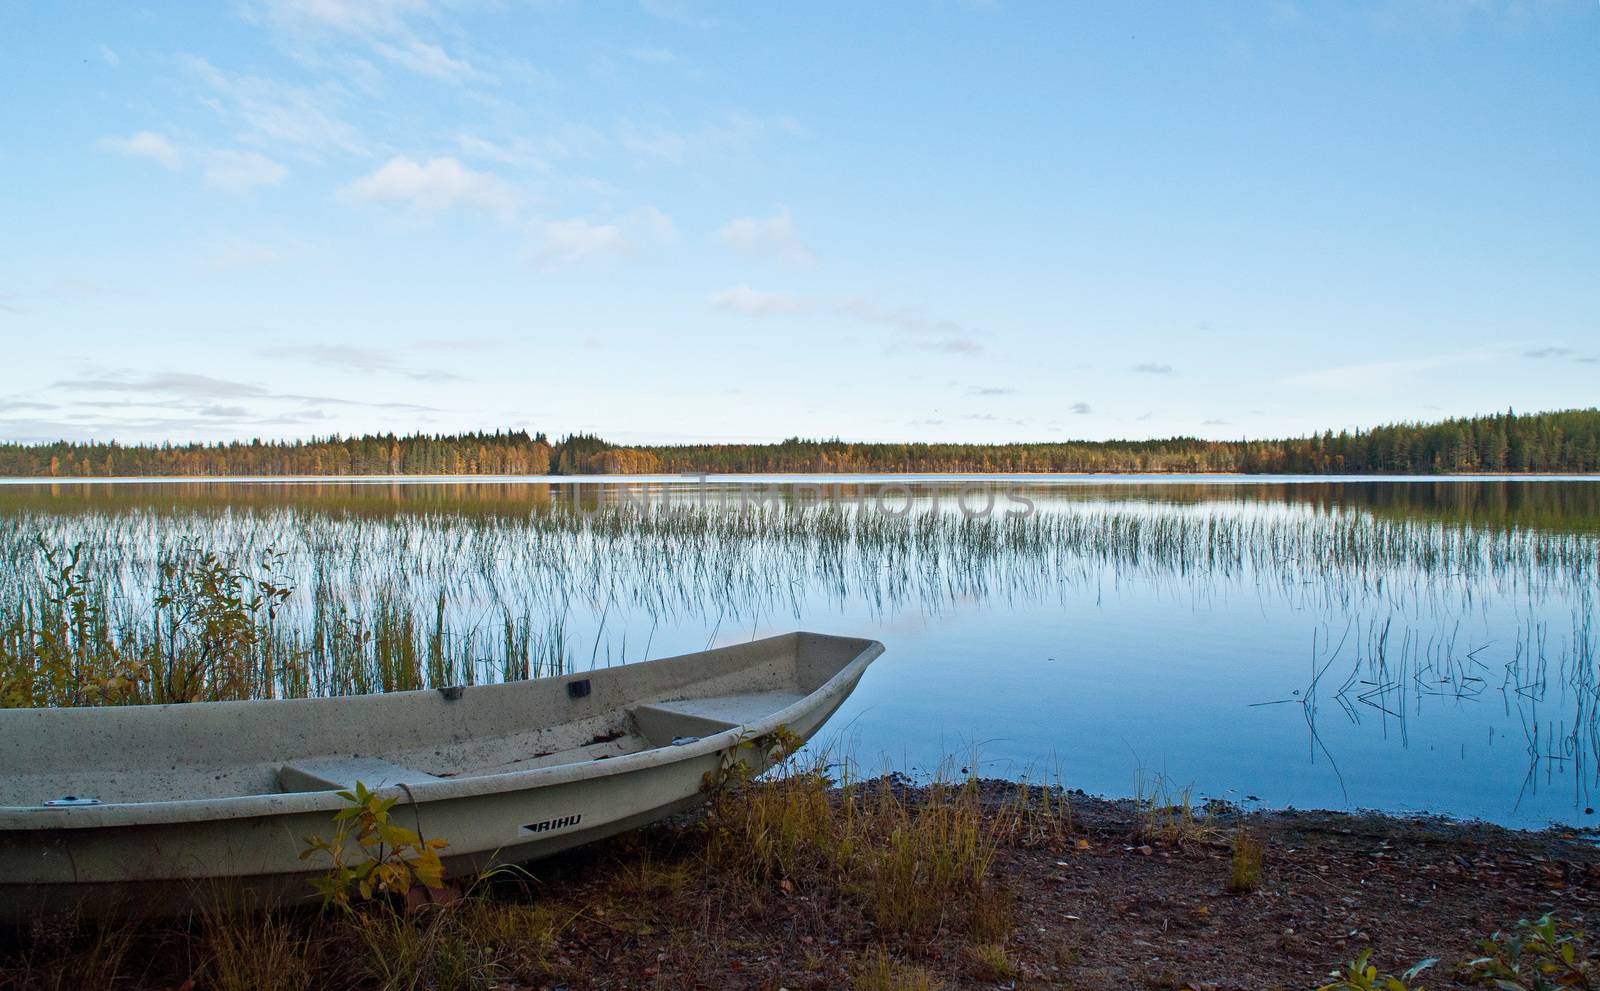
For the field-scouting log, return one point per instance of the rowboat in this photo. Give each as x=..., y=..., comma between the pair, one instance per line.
x=150, y=808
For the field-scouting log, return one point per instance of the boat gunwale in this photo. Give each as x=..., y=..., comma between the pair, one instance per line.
x=30, y=818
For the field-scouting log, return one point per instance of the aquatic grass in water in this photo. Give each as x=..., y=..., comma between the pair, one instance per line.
x=340, y=605
x=1396, y=608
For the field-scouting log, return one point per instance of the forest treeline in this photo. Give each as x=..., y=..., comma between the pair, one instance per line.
x=1564, y=441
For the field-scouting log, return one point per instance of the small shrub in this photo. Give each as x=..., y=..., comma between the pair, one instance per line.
x=1535, y=956
x=1245, y=869
x=1360, y=975
x=209, y=634
x=56, y=650
x=212, y=619
x=392, y=859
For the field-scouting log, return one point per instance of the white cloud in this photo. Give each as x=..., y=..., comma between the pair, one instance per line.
x=774, y=235
x=242, y=171
x=71, y=289
x=109, y=54
x=1380, y=375
x=744, y=299
x=387, y=27
x=1153, y=368
x=654, y=224
x=344, y=16
x=653, y=141
x=8, y=404
x=560, y=141
x=655, y=56
x=357, y=359
x=519, y=154
x=229, y=412
x=188, y=387
x=426, y=60
x=676, y=10
x=145, y=144
x=186, y=384
x=437, y=184
x=720, y=137
x=279, y=112
x=239, y=253
x=915, y=328
x=930, y=333
x=576, y=239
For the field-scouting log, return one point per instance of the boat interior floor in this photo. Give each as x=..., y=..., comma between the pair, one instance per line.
x=646, y=727
x=616, y=733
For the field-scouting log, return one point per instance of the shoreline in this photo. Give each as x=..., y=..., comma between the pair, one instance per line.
x=1132, y=897
x=1063, y=890
x=821, y=478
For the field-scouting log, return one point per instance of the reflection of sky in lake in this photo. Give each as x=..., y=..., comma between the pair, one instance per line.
x=1059, y=655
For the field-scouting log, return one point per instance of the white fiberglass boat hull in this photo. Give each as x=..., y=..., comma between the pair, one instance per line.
x=215, y=800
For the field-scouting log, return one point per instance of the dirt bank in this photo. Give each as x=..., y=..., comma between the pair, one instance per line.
x=892, y=887
x=1108, y=906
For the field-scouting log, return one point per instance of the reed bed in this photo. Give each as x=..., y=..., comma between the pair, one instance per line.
x=146, y=606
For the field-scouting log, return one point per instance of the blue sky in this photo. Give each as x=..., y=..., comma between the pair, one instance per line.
x=667, y=221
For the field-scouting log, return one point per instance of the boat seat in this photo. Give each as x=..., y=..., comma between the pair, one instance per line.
x=340, y=773
x=663, y=722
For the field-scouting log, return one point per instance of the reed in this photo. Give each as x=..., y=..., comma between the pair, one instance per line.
x=287, y=600
x=145, y=605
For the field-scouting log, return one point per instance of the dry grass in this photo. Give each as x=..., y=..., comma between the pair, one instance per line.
x=881, y=972
x=271, y=953
x=927, y=861
x=918, y=860
x=62, y=955
x=435, y=948
x=911, y=865
x=1244, y=874
x=475, y=942
x=990, y=914
x=991, y=963
x=691, y=904
x=1167, y=816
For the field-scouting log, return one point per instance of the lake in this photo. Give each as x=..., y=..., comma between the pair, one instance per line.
x=1407, y=645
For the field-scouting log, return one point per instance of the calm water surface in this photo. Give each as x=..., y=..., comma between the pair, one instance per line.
x=1404, y=645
